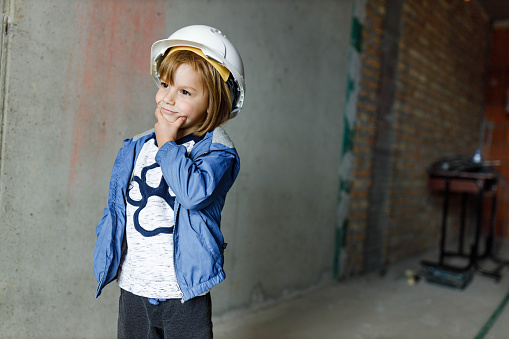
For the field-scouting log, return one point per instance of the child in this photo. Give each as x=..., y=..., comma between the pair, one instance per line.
x=160, y=234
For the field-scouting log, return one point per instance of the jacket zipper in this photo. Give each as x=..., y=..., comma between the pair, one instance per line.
x=175, y=253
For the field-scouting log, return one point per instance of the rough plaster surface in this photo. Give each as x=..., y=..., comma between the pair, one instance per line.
x=78, y=84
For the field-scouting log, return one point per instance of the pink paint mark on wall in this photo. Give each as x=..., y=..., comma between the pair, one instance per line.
x=109, y=62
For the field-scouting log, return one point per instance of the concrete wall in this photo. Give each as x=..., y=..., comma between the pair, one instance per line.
x=75, y=83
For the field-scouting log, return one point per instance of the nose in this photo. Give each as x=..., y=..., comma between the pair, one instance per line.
x=169, y=98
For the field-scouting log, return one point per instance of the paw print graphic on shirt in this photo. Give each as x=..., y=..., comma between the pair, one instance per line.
x=154, y=200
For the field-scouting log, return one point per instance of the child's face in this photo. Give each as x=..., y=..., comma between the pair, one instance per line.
x=186, y=98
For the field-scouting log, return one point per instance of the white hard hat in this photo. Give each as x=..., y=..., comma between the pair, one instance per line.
x=215, y=46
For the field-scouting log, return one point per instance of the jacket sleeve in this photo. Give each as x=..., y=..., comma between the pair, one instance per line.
x=103, y=248
x=110, y=229
x=196, y=183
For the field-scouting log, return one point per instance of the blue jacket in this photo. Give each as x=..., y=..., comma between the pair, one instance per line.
x=200, y=182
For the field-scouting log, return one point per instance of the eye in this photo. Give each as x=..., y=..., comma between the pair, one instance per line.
x=185, y=92
x=164, y=84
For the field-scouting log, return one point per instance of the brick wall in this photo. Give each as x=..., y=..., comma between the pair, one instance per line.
x=497, y=112
x=436, y=111
x=364, y=134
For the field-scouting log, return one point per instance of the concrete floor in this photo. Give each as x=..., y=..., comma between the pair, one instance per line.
x=375, y=306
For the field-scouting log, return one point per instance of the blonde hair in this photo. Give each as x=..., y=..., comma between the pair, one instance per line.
x=220, y=100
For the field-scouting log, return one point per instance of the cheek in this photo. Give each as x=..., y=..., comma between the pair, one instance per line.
x=159, y=96
x=186, y=107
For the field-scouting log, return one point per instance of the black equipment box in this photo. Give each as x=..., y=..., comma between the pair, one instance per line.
x=448, y=277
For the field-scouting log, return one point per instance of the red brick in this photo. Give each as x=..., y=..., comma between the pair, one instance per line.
x=438, y=108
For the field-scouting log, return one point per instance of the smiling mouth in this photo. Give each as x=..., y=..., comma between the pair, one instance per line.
x=167, y=111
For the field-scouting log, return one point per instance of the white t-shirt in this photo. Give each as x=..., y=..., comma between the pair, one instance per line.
x=147, y=268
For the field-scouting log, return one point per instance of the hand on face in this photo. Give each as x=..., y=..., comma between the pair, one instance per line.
x=171, y=118
x=165, y=129
x=183, y=98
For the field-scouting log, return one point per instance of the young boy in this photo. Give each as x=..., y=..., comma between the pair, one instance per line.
x=160, y=234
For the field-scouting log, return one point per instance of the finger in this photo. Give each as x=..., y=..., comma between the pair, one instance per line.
x=177, y=123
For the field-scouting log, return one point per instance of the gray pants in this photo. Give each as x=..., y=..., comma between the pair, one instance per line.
x=138, y=318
